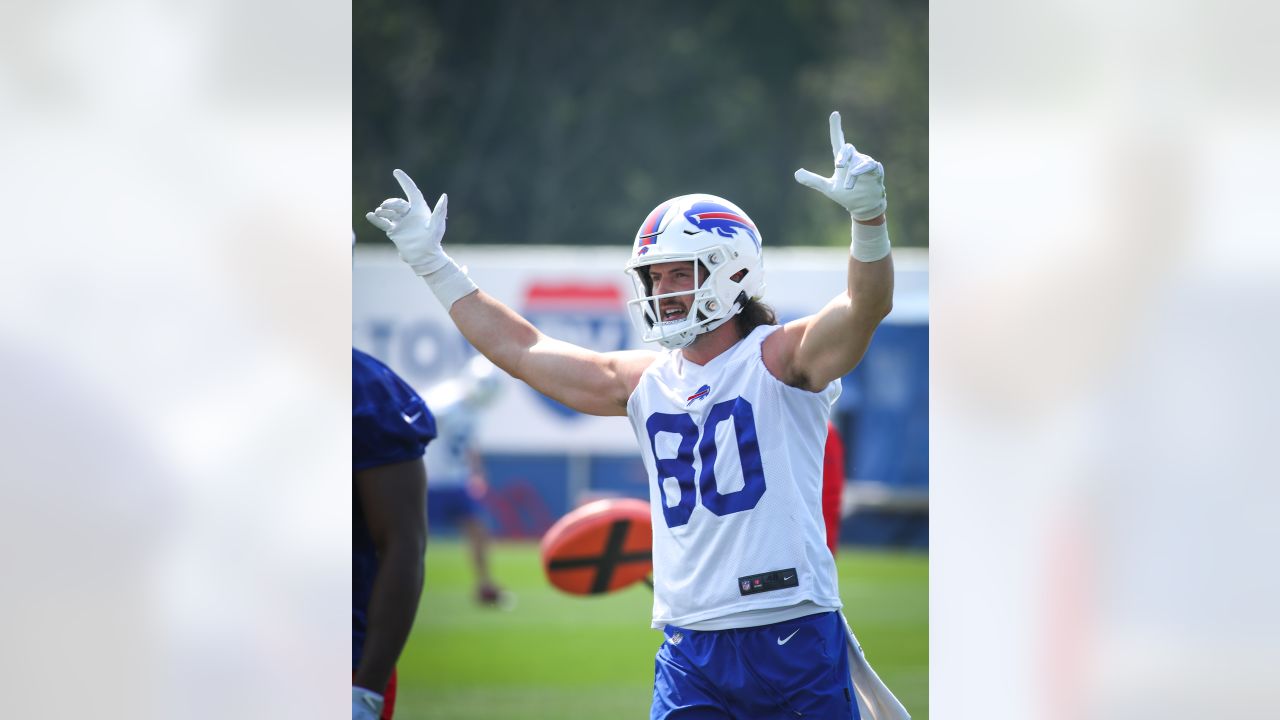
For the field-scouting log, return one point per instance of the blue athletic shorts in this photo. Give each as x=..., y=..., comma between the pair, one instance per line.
x=449, y=504
x=793, y=669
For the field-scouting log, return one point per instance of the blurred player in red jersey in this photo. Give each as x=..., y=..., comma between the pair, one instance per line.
x=832, y=485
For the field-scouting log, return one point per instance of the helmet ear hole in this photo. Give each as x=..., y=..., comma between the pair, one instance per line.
x=737, y=277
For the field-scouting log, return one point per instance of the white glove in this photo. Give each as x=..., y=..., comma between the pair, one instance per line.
x=417, y=231
x=858, y=181
x=413, y=226
x=365, y=704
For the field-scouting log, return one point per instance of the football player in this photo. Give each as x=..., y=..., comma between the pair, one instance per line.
x=731, y=418
x=390, y=429
x=457, y=473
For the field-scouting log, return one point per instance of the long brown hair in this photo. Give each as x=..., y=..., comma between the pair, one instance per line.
x=754, y=314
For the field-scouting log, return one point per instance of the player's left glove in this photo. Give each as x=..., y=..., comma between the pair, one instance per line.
x=858, y=180
x=365, y=704
x=858, y=185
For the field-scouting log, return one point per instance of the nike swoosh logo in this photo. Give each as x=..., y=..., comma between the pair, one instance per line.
x=411, y=418
x=783, y=641
x=787, y=577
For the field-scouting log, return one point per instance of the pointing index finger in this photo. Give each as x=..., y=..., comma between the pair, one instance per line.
x=411, y=190
x=837, y=134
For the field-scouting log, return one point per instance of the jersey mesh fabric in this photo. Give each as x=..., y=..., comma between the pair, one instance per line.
x=759, y=510
x=389, y=421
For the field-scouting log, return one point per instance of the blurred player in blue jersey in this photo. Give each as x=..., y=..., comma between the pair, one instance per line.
x=457, y=475
x=731, y=418
x=390, y=429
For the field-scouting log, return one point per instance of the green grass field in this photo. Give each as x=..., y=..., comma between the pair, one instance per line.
x=558, y=657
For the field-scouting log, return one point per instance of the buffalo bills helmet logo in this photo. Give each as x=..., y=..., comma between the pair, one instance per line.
x=721, y=220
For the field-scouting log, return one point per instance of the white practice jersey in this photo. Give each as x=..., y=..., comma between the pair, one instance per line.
x=734, y=458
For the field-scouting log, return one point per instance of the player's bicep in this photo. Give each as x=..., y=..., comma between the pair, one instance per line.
x=832, y=341
x=812, y=351
x=590, y=382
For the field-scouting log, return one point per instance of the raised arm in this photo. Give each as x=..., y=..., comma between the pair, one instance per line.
x=585, y=380
x=814, y=350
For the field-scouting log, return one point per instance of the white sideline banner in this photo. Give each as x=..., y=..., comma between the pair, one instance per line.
x=573, y=294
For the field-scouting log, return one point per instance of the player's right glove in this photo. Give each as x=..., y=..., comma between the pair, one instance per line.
x=413, y=226
x=417, y=230
x=365, y=704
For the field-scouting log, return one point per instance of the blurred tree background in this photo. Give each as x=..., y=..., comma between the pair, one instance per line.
x=566, y=121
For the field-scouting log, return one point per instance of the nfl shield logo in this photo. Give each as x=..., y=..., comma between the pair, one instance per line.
x=746, y=585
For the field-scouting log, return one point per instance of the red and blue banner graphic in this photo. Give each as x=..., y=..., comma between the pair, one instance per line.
x=589, y=314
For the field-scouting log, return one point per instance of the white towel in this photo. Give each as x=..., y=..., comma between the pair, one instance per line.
x=875, y=701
